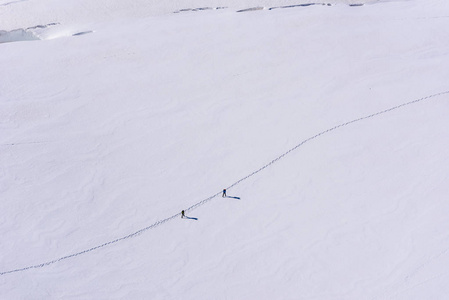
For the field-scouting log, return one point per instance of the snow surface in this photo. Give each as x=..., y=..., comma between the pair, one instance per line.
x=125, y=114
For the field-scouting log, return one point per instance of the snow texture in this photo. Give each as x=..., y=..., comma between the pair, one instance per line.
x=325, y=121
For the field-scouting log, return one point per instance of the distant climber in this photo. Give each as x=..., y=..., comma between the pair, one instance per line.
x=224, y=193
x=182, y=214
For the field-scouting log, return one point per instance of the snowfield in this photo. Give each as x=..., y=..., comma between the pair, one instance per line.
x=328, y=124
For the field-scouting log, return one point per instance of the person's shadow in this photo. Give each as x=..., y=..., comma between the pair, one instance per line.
x=190, y=218
x=232, y=197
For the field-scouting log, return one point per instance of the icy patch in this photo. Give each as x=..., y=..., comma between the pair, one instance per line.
x=17, y=35
x=38, y=32
x=28, y=34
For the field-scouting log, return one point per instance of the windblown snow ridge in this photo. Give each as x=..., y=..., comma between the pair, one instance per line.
x=154, y=225
x=21, y=34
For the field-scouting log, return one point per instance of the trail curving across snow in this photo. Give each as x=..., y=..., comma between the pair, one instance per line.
x=202, y=202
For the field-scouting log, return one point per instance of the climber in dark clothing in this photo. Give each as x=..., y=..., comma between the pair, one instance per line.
x=182, y=214
x=224, y=193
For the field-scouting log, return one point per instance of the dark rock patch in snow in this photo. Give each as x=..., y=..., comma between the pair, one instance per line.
x=197, y=9
x=82, y=33
x=42, y=26
x=262, y=8
x=251, y=9
x=299, y=5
